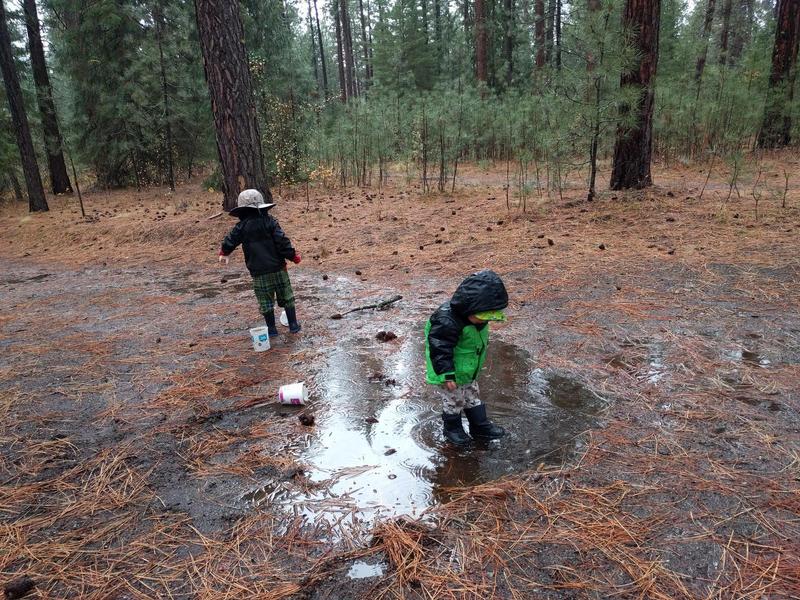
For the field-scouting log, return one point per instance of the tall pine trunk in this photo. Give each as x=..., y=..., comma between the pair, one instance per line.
x=558, y=34
x=724, y=32
x=437, y=32
x=59, y=180
x=777, y=126
x=321, y=52
x=509, y=41
x=481, y=42
x=219, y=25
x=365, y=45
x=634, y=145
x=33, y=181
x=337, y=19
x=539, y=34
x=700, y=65
x=158, y=18
x=347, y=47
x=313, y=36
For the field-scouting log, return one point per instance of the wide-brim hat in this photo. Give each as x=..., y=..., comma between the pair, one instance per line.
x=249, y=199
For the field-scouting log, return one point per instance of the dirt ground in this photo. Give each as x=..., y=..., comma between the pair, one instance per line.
x=143, y=454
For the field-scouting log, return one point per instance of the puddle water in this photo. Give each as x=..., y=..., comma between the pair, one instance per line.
x=377, y=449
x=211, y=290
x=750, y=357
x=41, y=277
x=362, y=570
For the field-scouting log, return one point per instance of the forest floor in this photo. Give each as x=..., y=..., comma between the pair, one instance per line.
x=648, y=377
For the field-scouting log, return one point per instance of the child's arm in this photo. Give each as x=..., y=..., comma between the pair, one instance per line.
x=284, y=245
x=442, y=339
x=231, y=241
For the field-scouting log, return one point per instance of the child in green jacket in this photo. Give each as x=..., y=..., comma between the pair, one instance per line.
x=456, y=342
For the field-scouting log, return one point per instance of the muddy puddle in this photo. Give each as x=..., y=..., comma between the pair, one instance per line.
x=377, y=449
x=230, y=283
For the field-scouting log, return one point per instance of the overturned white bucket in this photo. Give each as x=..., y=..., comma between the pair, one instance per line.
x=293, y=393
x=260, y=338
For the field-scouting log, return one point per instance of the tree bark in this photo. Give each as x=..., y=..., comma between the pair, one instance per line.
x=777, y=126
x=313, y=35
x=703, y=55
x=481, y=71
x=219, y=25
x=742, y=30
x=321, y=52
x=724, y=32
x=558, y=35
x=550, y=20
x=337, y=19
x=365, y=45
x=59, y=180
x=158, y=18
x=437, y=31
x=539, y=34
x=347, y=47
x=33, y=181
x=634, y=145
x=509, y=41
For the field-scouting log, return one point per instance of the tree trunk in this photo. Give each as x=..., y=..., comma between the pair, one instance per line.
x=313, y=35
x=437, y=31
x=742, y=30
x=219, y=25
x=59, y=180
x=337, y=19
x=158, y=19
x=321, y=53
x=550, y=21
x=509, y=41
x=365, y=45
x=777, y=126
x=558, y=35
x=425, y=29
x=33, y=181
x=724, y=33
x=481, y=57
x=539, y=34
x=634, y=145
x=703, y=55
x=347, y=47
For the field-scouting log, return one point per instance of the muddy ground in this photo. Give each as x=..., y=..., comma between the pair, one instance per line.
x=648, y=378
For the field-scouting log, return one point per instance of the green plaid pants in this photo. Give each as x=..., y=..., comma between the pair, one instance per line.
x=272, y=286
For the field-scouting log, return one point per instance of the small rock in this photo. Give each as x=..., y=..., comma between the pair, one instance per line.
x=670, y=219
x=18, y=588
x=671, y=251
x=671, y=194
x=324, y=278
x=550, y=242
x=358, y=272
x=386, y=336
x=158, y=340
x=371, y=420
x=389, y=452
x=602, y=246
x=488, y=229
x=307, y=420
x=392, y=476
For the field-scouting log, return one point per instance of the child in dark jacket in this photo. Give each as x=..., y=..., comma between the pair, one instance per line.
x=456, y=343
x=266, y=250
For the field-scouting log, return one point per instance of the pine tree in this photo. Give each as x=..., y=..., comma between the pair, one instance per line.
x=634, y=145
x=33, y=181
x=53, y=144
x=777, y=126
x=219, y=25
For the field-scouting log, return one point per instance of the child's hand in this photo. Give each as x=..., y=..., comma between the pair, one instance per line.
x=223, y=259
x=450, y=386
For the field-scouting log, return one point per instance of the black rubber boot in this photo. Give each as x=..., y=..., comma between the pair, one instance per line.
x=270, y=320
x=454, y=430
x=291, y=316
x=480, y=426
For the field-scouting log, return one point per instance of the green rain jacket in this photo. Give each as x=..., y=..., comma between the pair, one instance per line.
x=455, y=349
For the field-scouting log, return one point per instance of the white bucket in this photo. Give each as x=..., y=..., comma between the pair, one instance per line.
x=293, y=393
x=284, y=319
x=260, y=337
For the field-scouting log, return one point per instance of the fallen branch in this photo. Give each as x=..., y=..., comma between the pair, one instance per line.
x=382, y=305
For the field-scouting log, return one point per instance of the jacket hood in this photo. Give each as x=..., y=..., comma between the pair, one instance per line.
x=479, y=292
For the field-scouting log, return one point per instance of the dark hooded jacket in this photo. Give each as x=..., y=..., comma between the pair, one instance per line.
x=455, y=349
x=266, y=248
